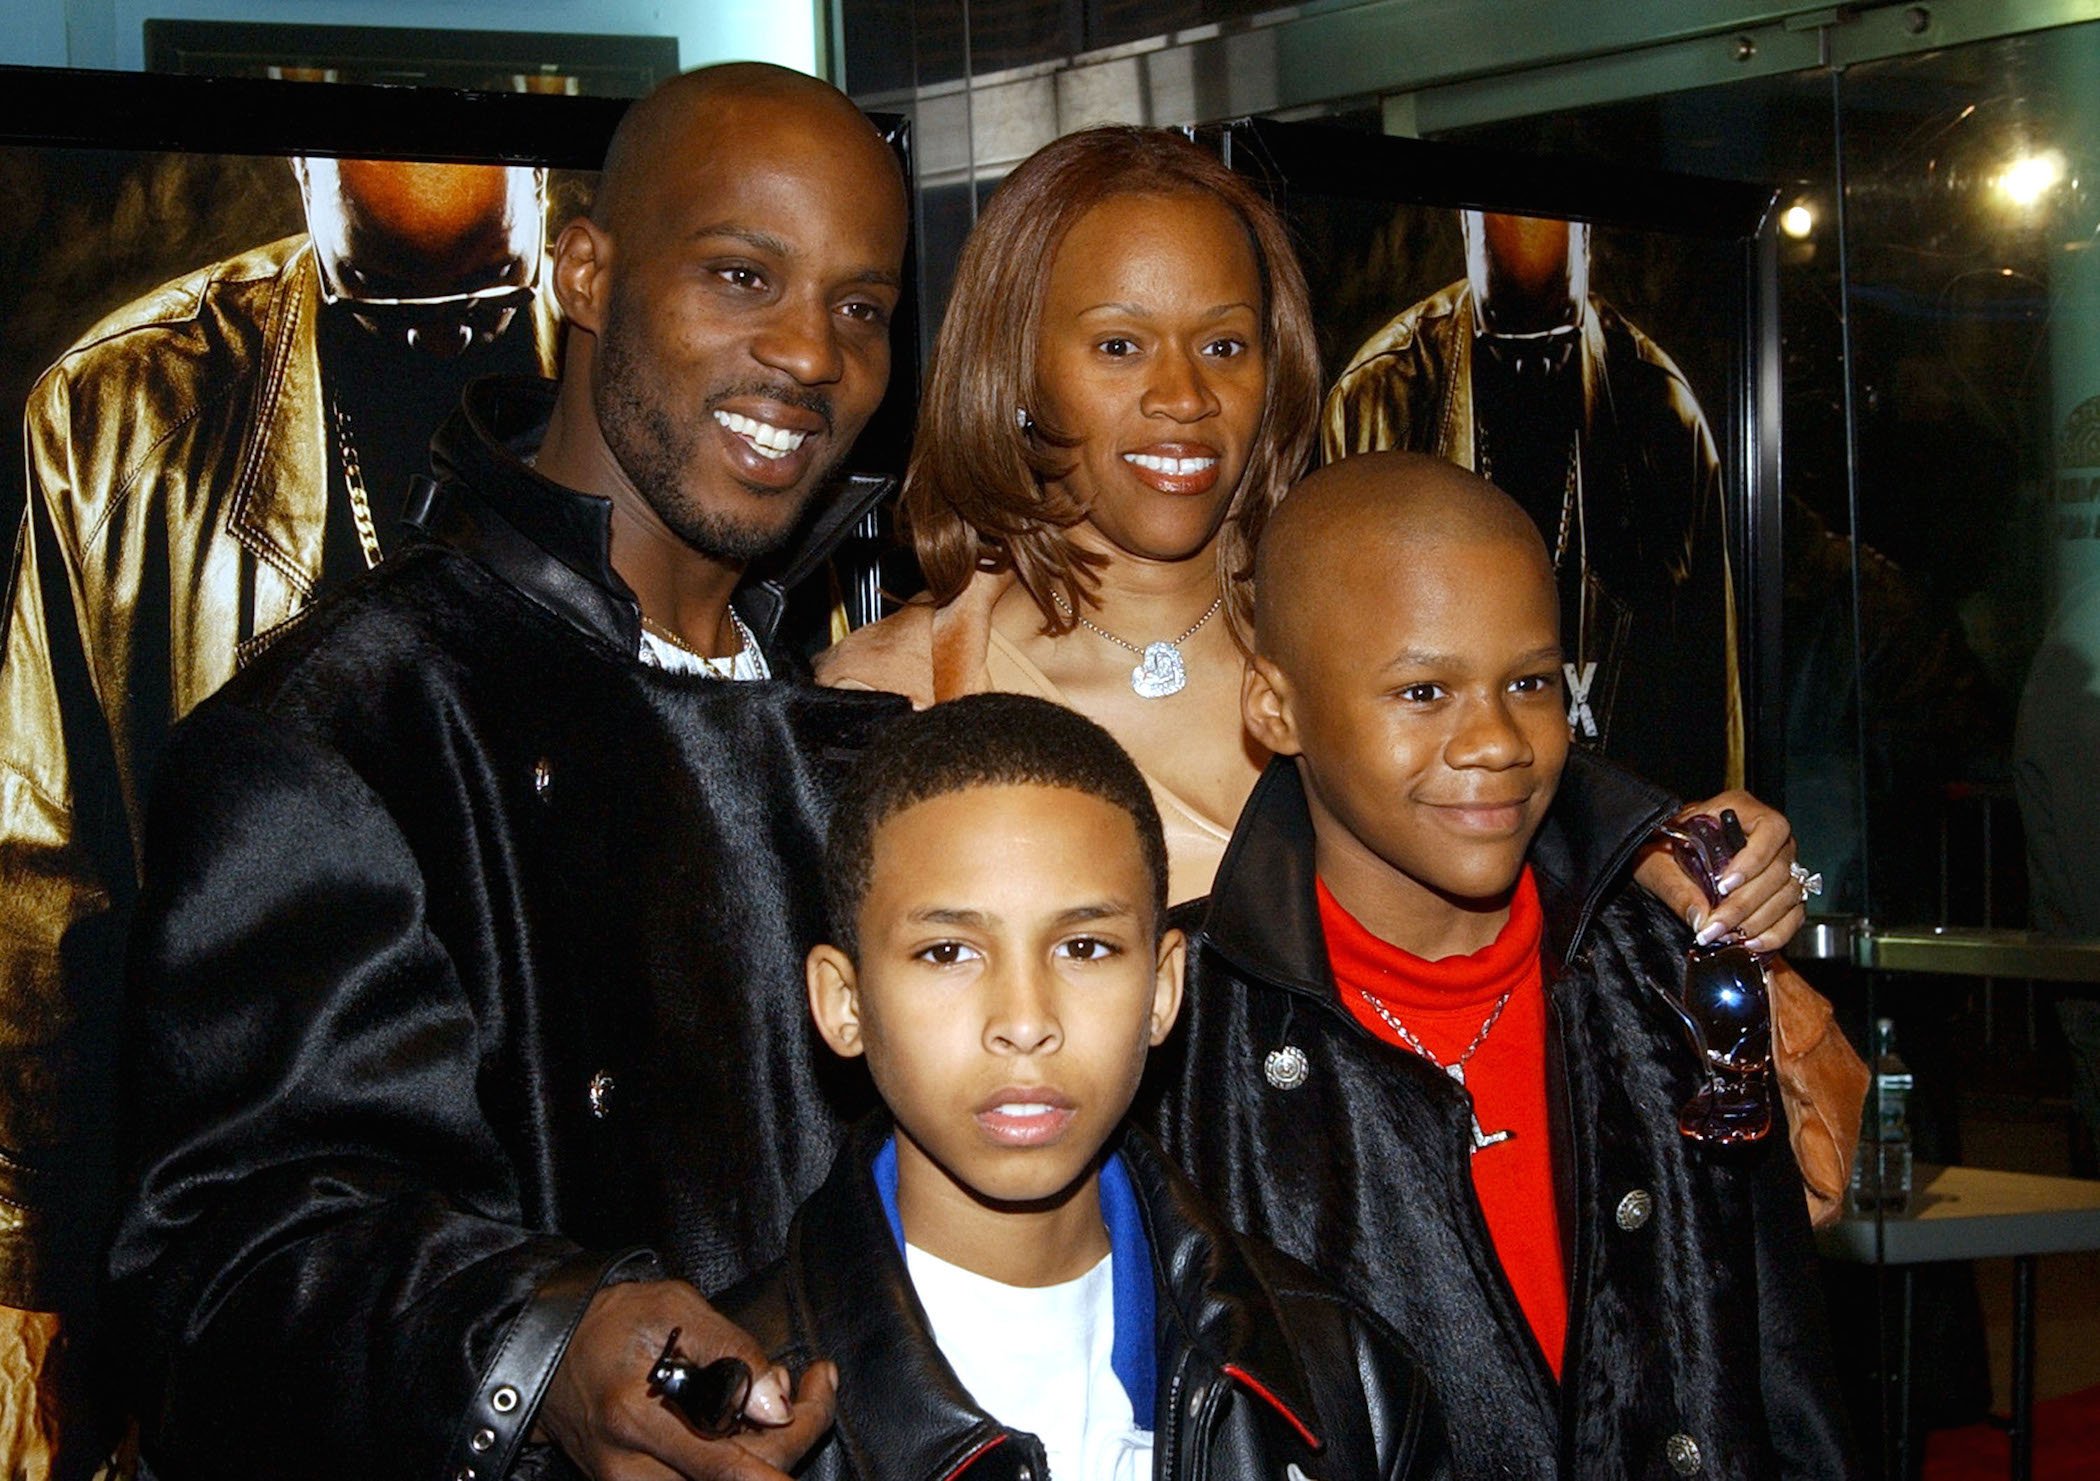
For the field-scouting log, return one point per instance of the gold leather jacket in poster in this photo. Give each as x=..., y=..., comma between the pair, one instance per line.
x=1655, y=541
x=177, y=507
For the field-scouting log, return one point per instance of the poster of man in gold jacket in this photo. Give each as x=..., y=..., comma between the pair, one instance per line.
x=1523, y=373
x=199, y=466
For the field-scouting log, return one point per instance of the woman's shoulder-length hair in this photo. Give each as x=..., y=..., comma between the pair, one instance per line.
x=978, y=495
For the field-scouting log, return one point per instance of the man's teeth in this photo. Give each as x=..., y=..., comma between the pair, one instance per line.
x=769, y=441
x=1177, y=467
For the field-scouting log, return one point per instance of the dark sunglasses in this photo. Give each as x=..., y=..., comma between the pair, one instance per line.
x=1725, y=1003
x=711, y=1396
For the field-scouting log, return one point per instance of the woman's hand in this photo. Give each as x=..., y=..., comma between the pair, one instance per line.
x=1760, y=898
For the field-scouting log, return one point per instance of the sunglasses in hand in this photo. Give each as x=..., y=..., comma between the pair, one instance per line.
x=710, y=1396
x=1724, y=1003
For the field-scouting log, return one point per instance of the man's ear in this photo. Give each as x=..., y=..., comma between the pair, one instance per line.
x=583, y=256
x=1168, y=974
x=834, y=999
x=1265, y=707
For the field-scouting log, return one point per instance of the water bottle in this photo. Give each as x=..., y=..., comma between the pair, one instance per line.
x=1881, y=1171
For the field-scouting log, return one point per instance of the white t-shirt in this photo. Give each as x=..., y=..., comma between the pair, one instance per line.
x=747, y=663
x=1038, y=1358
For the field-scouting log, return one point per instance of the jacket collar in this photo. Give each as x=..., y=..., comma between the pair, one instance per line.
x=1264, y=916
x=555, y=544
x=904, y=1416
x=279, y=509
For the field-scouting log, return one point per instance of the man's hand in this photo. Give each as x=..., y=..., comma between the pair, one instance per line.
x=599, y=1410
x=1761, y=900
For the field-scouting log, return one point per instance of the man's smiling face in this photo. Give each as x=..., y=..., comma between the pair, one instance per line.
x=746, y=338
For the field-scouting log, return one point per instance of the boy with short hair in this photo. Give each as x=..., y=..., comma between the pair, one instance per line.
x=1011, y=1281
x=1425, y=1051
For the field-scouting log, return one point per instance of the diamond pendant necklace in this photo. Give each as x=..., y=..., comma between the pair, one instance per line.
x=1161, y=671
x=1457, y=1068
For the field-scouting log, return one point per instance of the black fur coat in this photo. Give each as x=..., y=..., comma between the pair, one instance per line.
x=469, y=957
x=1696, y=1344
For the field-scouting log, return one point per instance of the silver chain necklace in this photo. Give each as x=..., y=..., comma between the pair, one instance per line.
x=1457, y=1068
x=1161, y=670
x=713, y=667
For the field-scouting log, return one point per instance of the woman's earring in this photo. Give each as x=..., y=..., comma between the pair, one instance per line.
x=1024, y=421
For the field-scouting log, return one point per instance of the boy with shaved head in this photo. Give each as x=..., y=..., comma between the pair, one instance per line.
x=1423, y=1049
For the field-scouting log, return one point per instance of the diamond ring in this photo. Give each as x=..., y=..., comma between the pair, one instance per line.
x=1811, y=884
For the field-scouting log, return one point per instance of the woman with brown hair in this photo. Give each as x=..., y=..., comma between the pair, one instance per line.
x=1125, y=384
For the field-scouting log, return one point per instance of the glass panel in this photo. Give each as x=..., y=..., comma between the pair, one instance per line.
x=1944, y=715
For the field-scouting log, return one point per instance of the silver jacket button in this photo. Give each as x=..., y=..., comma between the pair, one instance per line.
x=600, y=1094
x=542, y=779
x=481, y=1441
x=1683, y=1454
x=1634, y=1211
x=504, y=1399
x=1285, y=1068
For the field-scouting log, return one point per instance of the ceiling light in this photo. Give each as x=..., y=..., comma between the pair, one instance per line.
x=2030, y=177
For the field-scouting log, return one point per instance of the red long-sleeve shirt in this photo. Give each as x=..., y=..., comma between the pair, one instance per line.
x=1443, y=1003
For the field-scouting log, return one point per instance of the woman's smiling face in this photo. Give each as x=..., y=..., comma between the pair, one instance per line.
x=1150, y=354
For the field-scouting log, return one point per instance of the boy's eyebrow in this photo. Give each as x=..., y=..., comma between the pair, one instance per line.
x=1098, y=910
x=948, y=915
x=956, y=915
x=1423, y=658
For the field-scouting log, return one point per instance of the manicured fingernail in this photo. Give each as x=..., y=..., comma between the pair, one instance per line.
x=768, y=1402
x=1729, y=882
x=1711, y=932
x=1694, y=917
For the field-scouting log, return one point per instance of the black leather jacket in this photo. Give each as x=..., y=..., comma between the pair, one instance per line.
x=1256, y=1353
x=1696, y=1344
x=468, y=957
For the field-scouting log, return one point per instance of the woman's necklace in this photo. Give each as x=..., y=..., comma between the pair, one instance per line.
x=1161, y=670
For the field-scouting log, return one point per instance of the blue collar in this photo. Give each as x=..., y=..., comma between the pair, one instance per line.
x=1136, y=1356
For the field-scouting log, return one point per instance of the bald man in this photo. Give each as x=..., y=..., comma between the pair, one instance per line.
x=1423, y=1047
x=470, y=1051
x=202, y=464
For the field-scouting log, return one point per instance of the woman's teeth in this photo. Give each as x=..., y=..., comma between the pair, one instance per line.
x=769, y=440
x=1175, y=467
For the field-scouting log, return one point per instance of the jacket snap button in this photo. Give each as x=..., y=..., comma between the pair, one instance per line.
x=1634, y=1210
x=465, y=1473
x=1683, y=1453
x=600, y=1094
x=482, y=1440
x=504, y=1399
x=1285, y=1068
x=542, y=779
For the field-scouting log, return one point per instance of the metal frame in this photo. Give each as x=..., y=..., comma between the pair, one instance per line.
x=1433, y=65
x=1953, y=951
